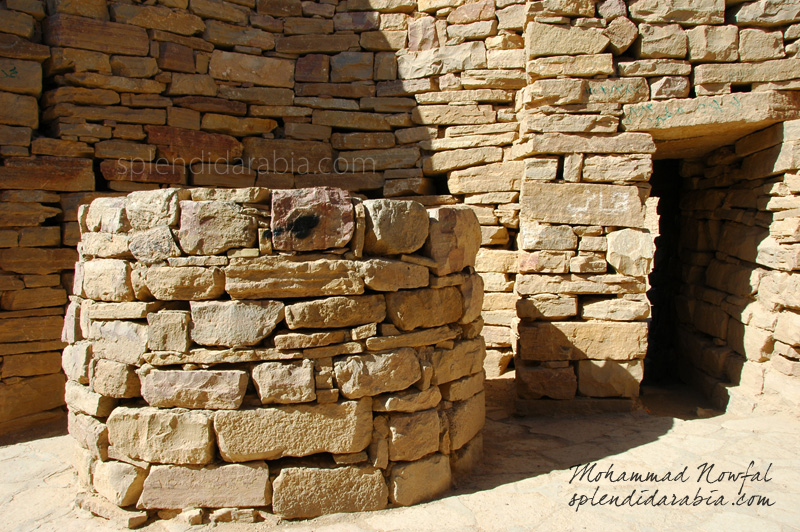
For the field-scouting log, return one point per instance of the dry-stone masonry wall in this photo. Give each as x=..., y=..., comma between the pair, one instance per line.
x=299, y=352
x=740, y=250
x=542, y=116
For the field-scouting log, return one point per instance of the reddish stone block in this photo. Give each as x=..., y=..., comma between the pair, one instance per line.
x=90, y=34
x=143, y=172
x=175, y=57
x=188, y=146
x=67, y=174
x=313, y=68
x=308, y=219
x=206, y=104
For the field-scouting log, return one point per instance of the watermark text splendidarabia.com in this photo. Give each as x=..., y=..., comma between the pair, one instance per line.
x=274, y=164
x=704, y=485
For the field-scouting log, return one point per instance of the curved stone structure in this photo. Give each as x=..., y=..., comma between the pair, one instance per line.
x=306, y=381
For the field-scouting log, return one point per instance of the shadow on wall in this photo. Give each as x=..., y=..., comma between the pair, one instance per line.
x=734, y=288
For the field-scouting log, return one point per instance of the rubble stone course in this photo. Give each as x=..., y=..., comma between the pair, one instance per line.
x=291, y=401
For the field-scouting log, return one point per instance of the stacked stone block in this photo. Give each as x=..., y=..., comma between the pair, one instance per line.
x=312, y=352
x=448, y=101
x=738, y=306
x=604, y=82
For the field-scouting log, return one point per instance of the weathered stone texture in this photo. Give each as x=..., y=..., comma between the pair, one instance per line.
x=259, y=434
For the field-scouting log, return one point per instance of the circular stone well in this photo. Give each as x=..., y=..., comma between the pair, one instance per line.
x=297, y=352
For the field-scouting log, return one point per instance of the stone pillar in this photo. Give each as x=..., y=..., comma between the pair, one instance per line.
x=308, y=350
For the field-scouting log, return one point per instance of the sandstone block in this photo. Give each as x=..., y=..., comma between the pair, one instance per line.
x=284, y=277
x=113, y=379
x=334, y=312
x=104, y=508
x=239, y=127
x=90, y=434
x=307, y=44
x=760, y=45
x=415, y=482
x=680, y=11
x=264, y=71
x=375, y=373
x=787, y=327
x=311, y=218
x=170, y=486
x=204, y=389
x=107, y=280
x=538, y=382
x=466, y=419
x=22, y=78
x=621, y=33
x=412, y=339
x=168, y=330
x=411, y=400
x=550, y=237
x=351, y=66
x=153, y=245
x=211, y=227
x=426, y=307
x=83, y=400
x=279, y=382
x=234, y=323
x=630, y=252
x=305, y=492
x=259, y=434
x=162, y=436
x=611, y=168
x=107, y=215
x=569, y=123
x=558, y=39
x=563, y=203
x=89, y=34
x=472, y=298
x=661, y=41
x=547, y=306
x=185, y=283
x=581, y=340
x=505, y=176
x=453, y=239
x=225, y=35
x=607, y=378
x=445, y=161
x=302, y=340
x=386, y=275
x=75, y=361
x=394, y=227
x=713, y=43
x=453, y=114
x=118, y=482
x=616, y=310
x=465, y=358
x=414, y=435
x=583, y=66
x=186, y=146
x=767, y=13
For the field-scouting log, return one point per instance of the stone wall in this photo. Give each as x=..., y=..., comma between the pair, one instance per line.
x=740, y=253
x=542, y=114
x=311, y=352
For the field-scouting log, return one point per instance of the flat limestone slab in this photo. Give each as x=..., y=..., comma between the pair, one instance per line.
x=259, y=434
x=582, y=203
x=691, y=127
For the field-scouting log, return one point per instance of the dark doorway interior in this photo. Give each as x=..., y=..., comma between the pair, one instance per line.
x=660, y=362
